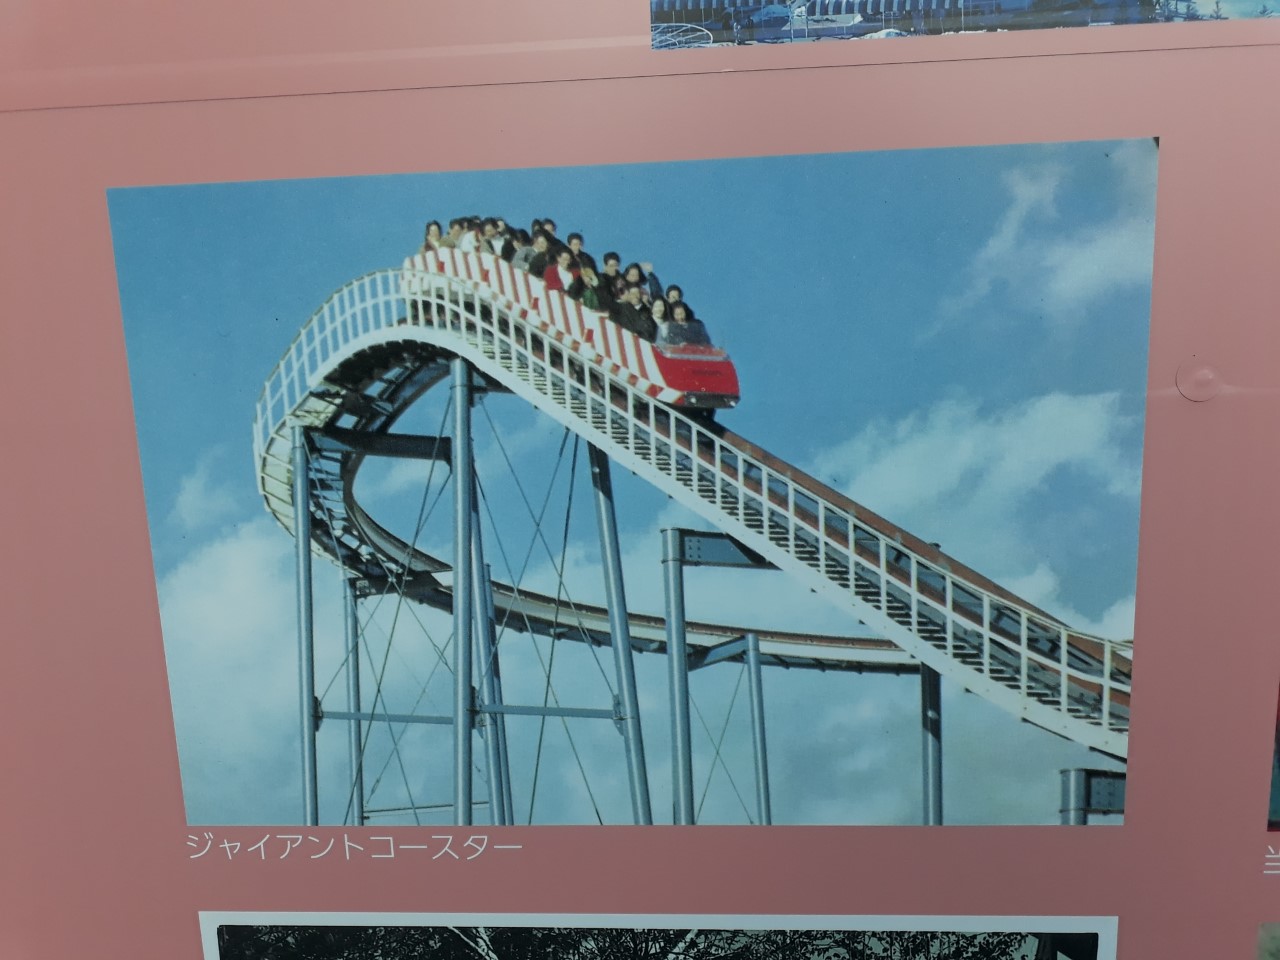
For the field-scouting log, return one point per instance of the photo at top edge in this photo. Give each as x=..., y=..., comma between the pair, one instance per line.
x=687, y=24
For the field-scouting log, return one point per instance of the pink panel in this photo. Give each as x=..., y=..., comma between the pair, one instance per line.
x=98, y=863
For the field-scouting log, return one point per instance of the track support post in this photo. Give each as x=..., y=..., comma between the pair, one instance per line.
x=1087, y=791
x=620, y=637
x=306, y=626
x=490, y=689
x=678, y=676
x=355, y=748
x=755, y=684
x=495, y=667
x=463, y=487
x=931, y=743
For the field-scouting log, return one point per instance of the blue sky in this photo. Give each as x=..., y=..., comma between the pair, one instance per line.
x=957, y=338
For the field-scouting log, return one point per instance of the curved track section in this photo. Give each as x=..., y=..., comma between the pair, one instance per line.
x=384, y=339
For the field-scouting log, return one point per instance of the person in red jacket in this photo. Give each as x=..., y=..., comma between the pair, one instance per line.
x=563, y=275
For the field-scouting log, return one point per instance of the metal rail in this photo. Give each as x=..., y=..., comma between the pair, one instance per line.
x=380, y=341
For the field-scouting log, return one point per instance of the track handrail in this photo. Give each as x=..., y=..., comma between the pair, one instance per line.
x=937, y=610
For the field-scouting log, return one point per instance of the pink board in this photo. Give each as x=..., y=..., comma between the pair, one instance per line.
x=101, y=860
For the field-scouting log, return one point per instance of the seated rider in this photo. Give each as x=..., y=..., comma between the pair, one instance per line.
x=523, y=259
x=684, y=329
x=591, y=298
x=563, y=275
x=610, y=286
x=660, y=314
x=629, y=313
x=431, y=237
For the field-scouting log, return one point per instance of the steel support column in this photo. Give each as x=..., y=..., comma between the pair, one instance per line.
x=486, y=655
x=306, y=630
x=495, y=672
x=1075, y=797
x=620, y=637
x=1086, y=791
x=678, y=677
x=354, y=746
x=931, y=734
x=463, y=698
x=755, y=684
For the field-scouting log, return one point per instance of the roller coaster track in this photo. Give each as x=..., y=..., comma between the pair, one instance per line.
x=383, y=340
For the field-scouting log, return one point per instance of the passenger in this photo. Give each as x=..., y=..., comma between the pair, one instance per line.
x=581, y=258
x=635, y=275
x=431, y=237
x=674, y=294
x=591, y=287
x=455, y=233
x=630, y=314
x=490, y=241
x=685, y=329
x=610, y=281
x=523, y=259
x=542, y=254
x=660, y=314
x=563, y=275
x=469, y=241
x=653, y=286
x=516, y=241
x=549, y=228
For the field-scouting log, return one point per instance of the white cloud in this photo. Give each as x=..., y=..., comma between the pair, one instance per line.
x=1055, y=272
x=1032, y=194
x=203, y=500
x=1042, y=587
x=1116, y=622
x=958, y=455
x=1088, y=266
x=393, y=477
x=228, y=615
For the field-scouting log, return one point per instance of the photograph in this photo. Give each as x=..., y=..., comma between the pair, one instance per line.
x=1269, y=941
x=454, y=516
x=679, y=24
x=471, y=937
x=1273, y=806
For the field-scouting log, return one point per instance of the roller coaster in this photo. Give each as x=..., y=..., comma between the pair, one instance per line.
x=470, y=323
